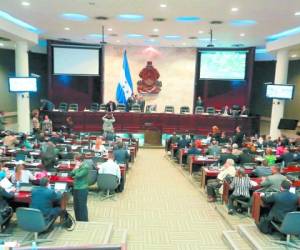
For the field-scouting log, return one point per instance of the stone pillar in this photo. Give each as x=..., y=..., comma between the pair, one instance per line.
x=281, y=73
x=23, y=102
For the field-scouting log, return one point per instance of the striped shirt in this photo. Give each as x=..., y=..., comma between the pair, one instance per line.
x=241, y=186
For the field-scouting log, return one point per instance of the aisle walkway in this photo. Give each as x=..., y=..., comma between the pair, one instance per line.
x=161, y=209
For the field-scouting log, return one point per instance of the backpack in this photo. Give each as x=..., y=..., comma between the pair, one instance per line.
x=68, y=222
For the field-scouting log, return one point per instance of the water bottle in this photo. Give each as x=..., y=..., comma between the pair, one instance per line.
x=17, y=187
x=34, y=246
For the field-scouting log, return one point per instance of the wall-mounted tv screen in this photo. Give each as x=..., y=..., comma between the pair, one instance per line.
x=223, y=64
x=22, y=84
x=280, y=91
x=75, y=61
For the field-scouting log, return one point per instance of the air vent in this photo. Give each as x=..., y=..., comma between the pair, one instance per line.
x=216, y=22
x=153, y=35
x=4, y=39
x=101, y=18
x=193, y=37
x=159, y=19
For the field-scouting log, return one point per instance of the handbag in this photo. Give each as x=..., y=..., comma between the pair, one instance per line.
x=68, y=221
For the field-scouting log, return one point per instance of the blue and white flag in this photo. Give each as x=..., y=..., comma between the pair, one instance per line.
x=124, y=89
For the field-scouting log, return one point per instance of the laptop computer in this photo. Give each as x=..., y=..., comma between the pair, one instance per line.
x=60, y=186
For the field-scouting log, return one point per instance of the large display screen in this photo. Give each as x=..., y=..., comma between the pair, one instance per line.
x=22, y=84
x=223, y=65
x=75, y=61
x=279, y=91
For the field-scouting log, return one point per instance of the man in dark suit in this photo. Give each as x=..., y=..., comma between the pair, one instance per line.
x=193, y=150
x=282, y=202
x=111, y=106
x=238, y=137
x=226, y=110
x=45, y=199
x=245, y=157
x=227, y=155
x=121, y=155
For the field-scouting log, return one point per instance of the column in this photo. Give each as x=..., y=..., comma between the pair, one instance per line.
x=22, y=70
x=281, y=72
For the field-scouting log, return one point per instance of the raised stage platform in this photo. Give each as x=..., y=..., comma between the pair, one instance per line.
x=160, y=122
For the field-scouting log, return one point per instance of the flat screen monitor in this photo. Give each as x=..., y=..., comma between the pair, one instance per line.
x=280, y=91
x=22, y=84
x=289, y=124
x=223, y=65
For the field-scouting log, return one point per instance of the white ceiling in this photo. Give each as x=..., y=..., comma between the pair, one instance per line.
x=272, y=16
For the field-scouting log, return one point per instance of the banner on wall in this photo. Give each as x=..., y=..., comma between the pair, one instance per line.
x=124, y=88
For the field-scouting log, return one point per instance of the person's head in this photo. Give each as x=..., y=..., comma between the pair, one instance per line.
x=215, y=129
x=285, y=185
x=235, y=146
x=275, y=169
x=214, y=142
x=174, y=133
x=286, y=150
x=69, y=119
x=228, y=150
x=223, y=134
x=19, y=167
x=44, y=182
x=226, y=107
x=238, y=129
x=120, y=145
x=193, y=145
x=110, y=155
x=245, y=151
x=229, y=163
x=240, y=172
x=183, y=137
x=199, y=98
x=46, y=117
x=269, y=151
x=244, y=107
x=1, y=112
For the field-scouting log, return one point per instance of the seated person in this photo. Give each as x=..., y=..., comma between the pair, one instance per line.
x=235, y=150
x=193, y=150
x=69, y=125
x=216, y=134
x=227, y=154
x=226, y=110
x=269, y=157
x=10, y=141
x=227, y=170
x=56, y=138
x=262, y=171
x=223, y=139
x=99, y=147
x=48, y=155
x=21, y=175
x=24, y=142
x=245, y=157
x=47, y=125
x=121, y=154
x=44, y=199
x=67, y=154
x=238, y=136
x=172, y=140
x=241, y=185
x=110, y=136
x=214, y=148
x=268, y=142
x=183, y=142
x=273, y=182
x=283, y=202
x=110, y=167
x=244, y=111
x=287, y=157
x=5, y=210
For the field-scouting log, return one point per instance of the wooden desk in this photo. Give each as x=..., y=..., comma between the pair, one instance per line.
x=199, y=160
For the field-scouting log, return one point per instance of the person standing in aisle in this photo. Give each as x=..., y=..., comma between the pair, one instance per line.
x=80, y=191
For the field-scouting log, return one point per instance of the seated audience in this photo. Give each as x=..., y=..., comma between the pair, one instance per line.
x=228, y=170
x=269, y=142
x=273, y=182
x=183, y=142
x=69, y=125
x=121, y=154
x=238, y=137
x=172, y=140
x=216, y=134
x=193, y=150
x=269, y=157
x=241, y=185
x=227, y=154
x=283, y=202
x=10, y=141
x=47, y=125
x=214, y=148
x=223, y=139
x=287, y=157
x=24, y=143
x=67, y=154
x=245, y=157
x=48, y=155
x=262, y=171
x=110, y=167
x=99, y=147
x=21, y=175
x=280, y=148
x=226, y=110
x=46, y=200
x=235, y=150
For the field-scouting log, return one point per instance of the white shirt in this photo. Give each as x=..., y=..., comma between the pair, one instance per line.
x=110, y=167
x=102, y=149
x=26, y=176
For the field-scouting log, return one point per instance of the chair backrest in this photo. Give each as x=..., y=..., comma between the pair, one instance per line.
x=30, y=219
x=73, y=107
x=121, y=107
x=151, y=108
x=136, y=107
x=199, y=110
x=102, y=107
x=107, y=182
x=63, y=106
x=92, y=177
x=290, y=224
x=169, y=109
x=184, y=109
x=211, y=110
x=95, y=107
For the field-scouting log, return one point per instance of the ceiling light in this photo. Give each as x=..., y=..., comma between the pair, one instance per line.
x=188, y=19
x=131, y=17
x=75, y=17
x=135, y=36
x=297, y=13
x=25, y=3
x=163, y=5
x=200, y=31
x=172, y=37
x=284, y=33
x=155, y=30
x=66, y=28
x=234, y=9
x=1, y=44
x=109, y=29
x=118, y=41
x=242, y=34
x=294, y=55
x=242, y=22
x=183, y=44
